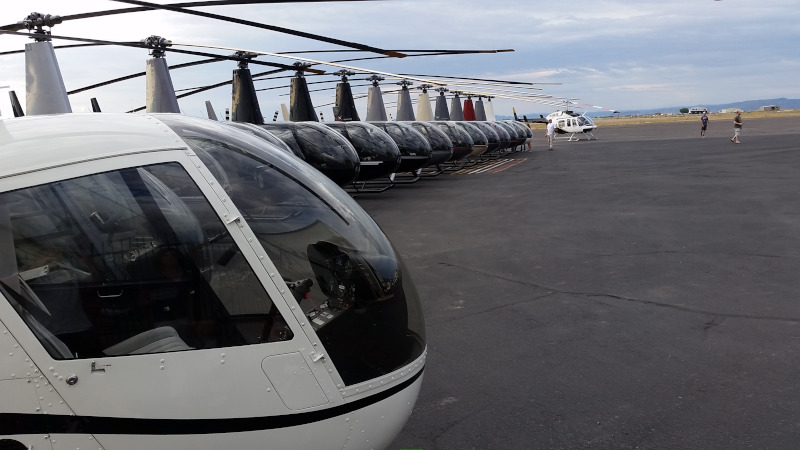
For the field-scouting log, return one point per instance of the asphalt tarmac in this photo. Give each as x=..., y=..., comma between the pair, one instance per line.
x=638, y=291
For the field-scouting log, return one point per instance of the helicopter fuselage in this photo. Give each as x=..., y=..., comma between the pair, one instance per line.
x=155, y=294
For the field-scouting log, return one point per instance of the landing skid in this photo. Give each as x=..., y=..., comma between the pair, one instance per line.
x=577, y=136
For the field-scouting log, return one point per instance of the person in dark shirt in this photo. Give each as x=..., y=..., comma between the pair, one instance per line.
x=703, y=125
x=737, y=128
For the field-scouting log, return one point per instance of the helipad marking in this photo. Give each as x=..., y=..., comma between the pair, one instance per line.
x=516, y=162
x=492, y=166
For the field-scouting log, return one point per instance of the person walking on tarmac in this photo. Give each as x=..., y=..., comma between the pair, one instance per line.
x=551, y=133
x=737, y=127
x=703, y=125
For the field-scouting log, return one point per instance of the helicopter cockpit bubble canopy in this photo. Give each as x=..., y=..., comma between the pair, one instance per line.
x=323, y=148
x=267, y=136
x=125, y=245
x=379, y=154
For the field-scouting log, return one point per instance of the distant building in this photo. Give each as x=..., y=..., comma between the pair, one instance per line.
x=698, y=110
x=730, y=110
x=770, y=108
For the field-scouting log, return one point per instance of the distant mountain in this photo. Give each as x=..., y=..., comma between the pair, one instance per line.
x=748, y=105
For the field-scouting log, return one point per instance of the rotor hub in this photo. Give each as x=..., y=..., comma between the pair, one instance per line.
x=404, y=84
x=35, y=23
x=344, y=74
x=243, y=58
x=300, y=68
x=157, y=45
x=375, y=80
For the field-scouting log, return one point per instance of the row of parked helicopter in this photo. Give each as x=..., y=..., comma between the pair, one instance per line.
x=172, y=282
x=374, y=156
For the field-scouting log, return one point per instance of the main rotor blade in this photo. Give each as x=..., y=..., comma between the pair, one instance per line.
x=458, y=87
x=297, y=58
x=141, y=74
x=455, y=51
x=478, y=79
x=312, y=90
x=446, y=52
x=175, y=50
x=57, y=47
x=206, y=88
x=111, y=12
x=197, y=90
x=266, y=27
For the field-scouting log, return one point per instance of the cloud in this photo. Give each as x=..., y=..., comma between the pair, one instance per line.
x=630, y=55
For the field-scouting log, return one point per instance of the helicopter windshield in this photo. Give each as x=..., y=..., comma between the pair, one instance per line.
x=370, y=141
x=117, y=263
x=326, y=150
x=267, y=136
x=408, y=140
x=491, y=135
x=457, y=135
x=347, y=278
x=478, y=138
x=438, y=140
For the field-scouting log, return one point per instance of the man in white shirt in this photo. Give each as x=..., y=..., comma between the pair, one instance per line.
x=551, y=132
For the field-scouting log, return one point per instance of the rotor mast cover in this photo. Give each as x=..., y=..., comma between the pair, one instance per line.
x=489, y=110
x=469, y=109
x=244, y=103
x=480, y=112
x=456, y=112
x=424, y=111
x=159, y=91
x=376, y=111
x=300, y=107
x=442, y=113
x=405, y=111
x=345, y=109
x=44, y=86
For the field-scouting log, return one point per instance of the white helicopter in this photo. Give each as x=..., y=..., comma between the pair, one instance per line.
x=575, y=125
x=169, y=282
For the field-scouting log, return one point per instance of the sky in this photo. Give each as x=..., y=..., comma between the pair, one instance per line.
x=619, y=55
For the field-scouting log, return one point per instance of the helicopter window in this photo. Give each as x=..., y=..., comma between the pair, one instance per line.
x=286, y=135
x=328, y=145
x=491, y=135
x=561, y=123
x=257, y=131
x=342, y=270
x=406, y=138
x=117, y=263
x=478, y=138
x=370, y=138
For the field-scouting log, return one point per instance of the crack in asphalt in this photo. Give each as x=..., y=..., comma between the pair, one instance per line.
x=616, y=297
x=661, y=252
